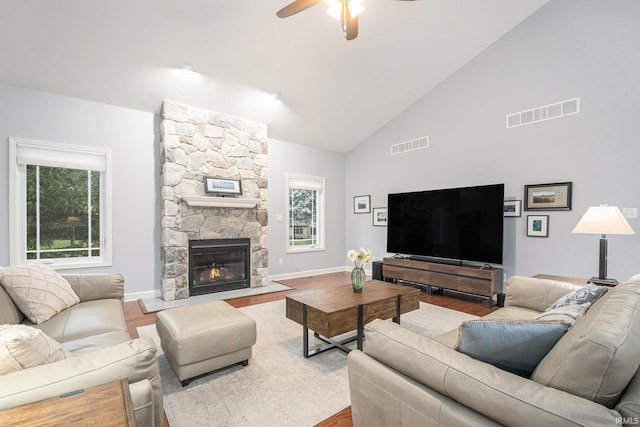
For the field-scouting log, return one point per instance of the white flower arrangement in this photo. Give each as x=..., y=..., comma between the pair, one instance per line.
x=360, y=258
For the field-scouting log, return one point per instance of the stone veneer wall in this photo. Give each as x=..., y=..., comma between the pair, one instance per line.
x=197, y=143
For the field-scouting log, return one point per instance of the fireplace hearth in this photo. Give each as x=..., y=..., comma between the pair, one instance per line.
x=217, y=265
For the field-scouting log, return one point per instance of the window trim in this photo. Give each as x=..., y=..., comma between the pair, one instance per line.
x=321, y=220
x=18, y=200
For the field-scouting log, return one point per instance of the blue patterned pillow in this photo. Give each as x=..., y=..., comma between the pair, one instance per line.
x=573, y=305
x=516, y=346
x=585, y=295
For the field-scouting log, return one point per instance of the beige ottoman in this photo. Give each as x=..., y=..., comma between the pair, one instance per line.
x=201, y=338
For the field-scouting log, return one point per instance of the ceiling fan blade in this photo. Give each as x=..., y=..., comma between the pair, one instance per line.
x=295, y=7
x=349, y=24
x=351, y=29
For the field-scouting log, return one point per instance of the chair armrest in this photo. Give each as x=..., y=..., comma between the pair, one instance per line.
x=134, y=360
x=492, y=392
x=536, y=294
x=97, y=286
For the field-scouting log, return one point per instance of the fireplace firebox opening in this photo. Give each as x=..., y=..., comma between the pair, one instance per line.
x=217, y=265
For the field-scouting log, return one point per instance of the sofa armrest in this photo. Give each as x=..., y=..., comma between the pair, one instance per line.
x=97, y=286
x=492, y=392
x=134, y=360
x=536, y=294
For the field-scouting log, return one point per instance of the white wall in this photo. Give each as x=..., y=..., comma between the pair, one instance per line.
x=133, y=138
x=287, y=157
x=131, y=135
x=569, y=48
x=585, y=48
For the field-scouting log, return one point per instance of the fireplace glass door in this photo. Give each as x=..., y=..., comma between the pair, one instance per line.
x=218, y=265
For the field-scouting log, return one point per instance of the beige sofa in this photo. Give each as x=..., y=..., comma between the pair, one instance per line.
x=587, y=379
x=94, y=332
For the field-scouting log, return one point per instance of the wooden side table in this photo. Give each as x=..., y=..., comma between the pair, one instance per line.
x=107, y=404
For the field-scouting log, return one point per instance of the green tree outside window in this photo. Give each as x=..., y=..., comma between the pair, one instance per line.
x=63, y=213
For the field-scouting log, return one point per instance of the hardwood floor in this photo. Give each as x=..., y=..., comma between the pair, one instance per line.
x=472, y=305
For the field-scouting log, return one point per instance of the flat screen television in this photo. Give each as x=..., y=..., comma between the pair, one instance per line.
x=460, y=224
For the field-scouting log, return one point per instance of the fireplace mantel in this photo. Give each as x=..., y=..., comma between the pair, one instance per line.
x=220, y=202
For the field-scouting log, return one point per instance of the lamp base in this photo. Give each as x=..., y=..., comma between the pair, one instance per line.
x=603, y=282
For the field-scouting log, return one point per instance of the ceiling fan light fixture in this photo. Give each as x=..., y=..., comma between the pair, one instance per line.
x=335, y=7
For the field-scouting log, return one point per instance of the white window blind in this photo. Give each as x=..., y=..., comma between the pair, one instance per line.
x=302, y=183
x=39, y=153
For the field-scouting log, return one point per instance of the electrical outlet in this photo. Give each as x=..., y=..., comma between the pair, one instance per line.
x=280, y=261
x=630, y=213
x=504, y=277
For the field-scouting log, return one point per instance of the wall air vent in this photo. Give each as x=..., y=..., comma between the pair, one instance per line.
x=546, y=112
x=412, y=145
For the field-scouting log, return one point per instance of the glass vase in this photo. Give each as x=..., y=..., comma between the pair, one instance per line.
x=358, y=277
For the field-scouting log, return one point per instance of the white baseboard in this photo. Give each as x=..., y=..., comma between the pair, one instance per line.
x=134, y=296
x=308, y=273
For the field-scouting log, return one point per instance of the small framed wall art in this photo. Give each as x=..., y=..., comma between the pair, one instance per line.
x=380, y=217
x=222, y=186
x=538, y=225
x=362, y=204
x=512, y=208
x=548, y=197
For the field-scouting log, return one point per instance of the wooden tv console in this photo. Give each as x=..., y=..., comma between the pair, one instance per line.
x=486, y=282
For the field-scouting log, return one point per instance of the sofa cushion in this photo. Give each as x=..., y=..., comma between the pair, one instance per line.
x=86, y=320
x=606, y=339
x=96, y=286
x=38, y=291
x=516, y=346
x=95, y=342
x=535, y=294
x=24, y=347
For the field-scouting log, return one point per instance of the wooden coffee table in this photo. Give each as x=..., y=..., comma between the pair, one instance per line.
x=333, y=311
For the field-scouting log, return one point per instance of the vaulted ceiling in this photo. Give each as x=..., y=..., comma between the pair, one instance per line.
x=333, y=93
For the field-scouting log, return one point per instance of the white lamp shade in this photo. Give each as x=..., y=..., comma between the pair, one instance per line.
x=603, y=220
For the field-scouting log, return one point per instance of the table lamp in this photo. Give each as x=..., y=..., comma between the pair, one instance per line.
x=603, y=220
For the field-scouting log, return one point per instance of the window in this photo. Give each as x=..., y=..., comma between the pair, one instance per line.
x=61, y=204
x=305, y=213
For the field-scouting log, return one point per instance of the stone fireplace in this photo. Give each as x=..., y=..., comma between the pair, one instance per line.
x=197, y=143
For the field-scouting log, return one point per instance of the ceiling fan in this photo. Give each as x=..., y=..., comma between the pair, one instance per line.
x=345, y=10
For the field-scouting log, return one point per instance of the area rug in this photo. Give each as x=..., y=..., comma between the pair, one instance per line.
x=279, y=386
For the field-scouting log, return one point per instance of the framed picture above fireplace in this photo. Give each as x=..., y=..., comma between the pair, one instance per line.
x=222, y=186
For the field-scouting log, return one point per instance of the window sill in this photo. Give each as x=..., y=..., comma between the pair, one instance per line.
x=71, y=265
x=305, y=249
